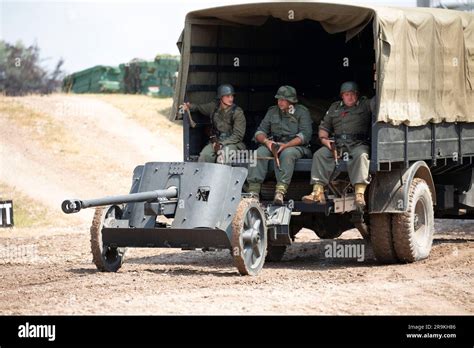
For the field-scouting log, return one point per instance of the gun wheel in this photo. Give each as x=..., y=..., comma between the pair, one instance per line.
x=106, y=258
x=249, y=237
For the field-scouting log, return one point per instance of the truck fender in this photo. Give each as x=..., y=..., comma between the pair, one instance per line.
x=388, y=192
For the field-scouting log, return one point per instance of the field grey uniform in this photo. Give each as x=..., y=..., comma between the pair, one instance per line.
x=282, y=127
x=230, y=123
x=351, y=127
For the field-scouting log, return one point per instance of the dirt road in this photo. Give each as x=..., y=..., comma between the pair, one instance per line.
x=81, y=146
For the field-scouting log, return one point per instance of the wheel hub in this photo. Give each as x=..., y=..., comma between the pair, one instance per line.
x=416, y=221
x=251, y=236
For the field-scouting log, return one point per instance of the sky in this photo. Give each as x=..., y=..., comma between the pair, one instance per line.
x=89, y=33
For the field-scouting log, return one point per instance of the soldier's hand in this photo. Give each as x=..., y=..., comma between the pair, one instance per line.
x=282, y=147
x=217, y=146
x=268, y=144
x=186, y=106
x=328, y=143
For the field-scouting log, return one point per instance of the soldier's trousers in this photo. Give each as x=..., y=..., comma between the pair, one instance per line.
x=357, y=165
x=209, y=155
x=283, y=175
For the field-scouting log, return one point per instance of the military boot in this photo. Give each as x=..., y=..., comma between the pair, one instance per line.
x=280, y=192
x=360, y=196
x=317, y=196
x=254, y=189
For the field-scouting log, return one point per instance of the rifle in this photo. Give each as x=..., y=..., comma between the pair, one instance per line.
x=214, y=135
x=275, y=148
x=334, y=152
x=191, y=121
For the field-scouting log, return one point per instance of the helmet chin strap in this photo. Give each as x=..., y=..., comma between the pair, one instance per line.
x=222, y=102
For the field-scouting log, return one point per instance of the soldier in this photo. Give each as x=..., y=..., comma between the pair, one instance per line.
x=289, y=125
x=350, y=121
x=227, y=121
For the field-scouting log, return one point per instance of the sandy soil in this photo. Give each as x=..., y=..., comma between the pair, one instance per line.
x=47, y=269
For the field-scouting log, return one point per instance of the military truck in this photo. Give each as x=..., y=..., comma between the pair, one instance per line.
x=418, y=64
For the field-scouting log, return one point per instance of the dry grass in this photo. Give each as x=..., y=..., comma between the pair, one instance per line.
x=151, y=113
x=41, y=127
x=38, y=125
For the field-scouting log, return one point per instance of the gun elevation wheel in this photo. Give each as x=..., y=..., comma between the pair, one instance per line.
x=249, y=237
x=106, y=258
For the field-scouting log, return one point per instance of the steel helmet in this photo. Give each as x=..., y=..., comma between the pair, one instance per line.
x=288, y=93
x=349, y=86
x=225, y=89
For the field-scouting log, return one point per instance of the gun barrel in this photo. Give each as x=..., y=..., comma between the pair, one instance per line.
x=70, y=206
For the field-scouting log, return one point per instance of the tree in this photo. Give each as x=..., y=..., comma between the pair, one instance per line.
x=21, y=72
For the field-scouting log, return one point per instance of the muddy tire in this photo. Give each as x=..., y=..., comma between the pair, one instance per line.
x=105, y=258
x=413, y=230
x=381, y=238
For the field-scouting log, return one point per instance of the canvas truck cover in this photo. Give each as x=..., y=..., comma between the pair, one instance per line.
x=424, y=57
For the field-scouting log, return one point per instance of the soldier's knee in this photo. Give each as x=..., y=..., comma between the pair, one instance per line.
x=206, y=156
x=290, y=154
x=207, y=159
x=230, y=147
x=261, y=149
x=322, y=153
x=361, y=156
x=360, y=150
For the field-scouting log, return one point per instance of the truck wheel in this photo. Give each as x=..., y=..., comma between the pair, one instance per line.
x=413, y=230
x=381, y=238
x=275, y=253
x=106, y=258
x=249, y=237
